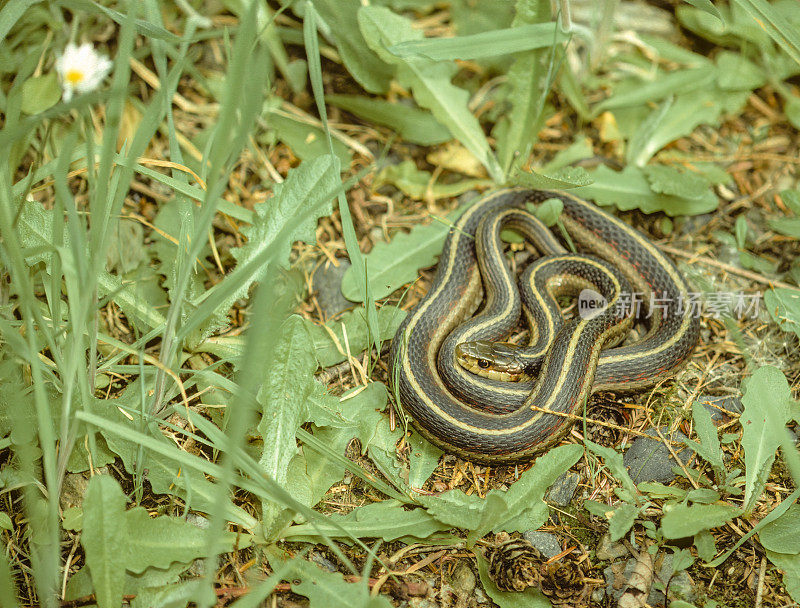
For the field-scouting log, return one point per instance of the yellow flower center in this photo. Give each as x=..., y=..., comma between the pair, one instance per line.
x=73, y=76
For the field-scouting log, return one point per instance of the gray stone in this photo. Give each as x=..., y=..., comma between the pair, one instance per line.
x=326, y=282
x=562, y=491
x=547, y=544
x=650, y=460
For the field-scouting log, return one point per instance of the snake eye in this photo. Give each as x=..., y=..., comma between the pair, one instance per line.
x=483, y=363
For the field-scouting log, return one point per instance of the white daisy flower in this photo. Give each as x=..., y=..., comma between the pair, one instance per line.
x=81, y=69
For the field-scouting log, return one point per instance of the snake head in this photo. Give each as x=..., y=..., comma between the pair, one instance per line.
x=496, y=360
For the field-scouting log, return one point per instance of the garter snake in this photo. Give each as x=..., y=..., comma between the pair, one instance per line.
x=514, y=428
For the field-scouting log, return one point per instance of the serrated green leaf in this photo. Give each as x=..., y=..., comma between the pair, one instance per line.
x=561, y=179
x=40, y=93
x=419, y=184
x=783, y=305
x=767, y=401
x=622, y=520
x=484, y=44
x=682, y=520
x=709, y=447
x=329, y=590
x=393, y=264
x=104, y=533
x=422, y=460
x=666, y=179
x=159, y=542
x=429, y=82
x=165, y=475
x=386, y=519
x=288, y=381
x=705, y=545
x=413, y=124
x=629, y=189
x=505, y=508
x=307, y=191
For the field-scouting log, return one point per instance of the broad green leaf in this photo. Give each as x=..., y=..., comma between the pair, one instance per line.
x=705, y=545
x=562, y=179
x=642, y=146
x=341, y=16
x=504, y=509
x=419, y=184
x=158, y=542
x=790, y=226
x=667, y=179
x=104, y=534
x=766, y=402
x=454, y=508
x=80, y=583
x=781, y=535
x=329, y=590
x=622, y=520
x=792, y=200
x=429, y=82
x=736, y=73
x=307, y=142
x=307, y=192
x=394, y=264
x=288, y=381
x=790, y=566
x=529, y=80
x=709, y=447
x=708, y=7
x=783, y=305
x=484, y=44
x=530, y=488
x=682, y=520
x=422, y=460
x=680, y=118
x=386, y=519
x=660, y=87
x=530, y=598
x=630, y=189
x=40, y=93
x=413, y=124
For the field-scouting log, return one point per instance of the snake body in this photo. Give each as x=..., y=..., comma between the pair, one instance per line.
x=514, y=421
